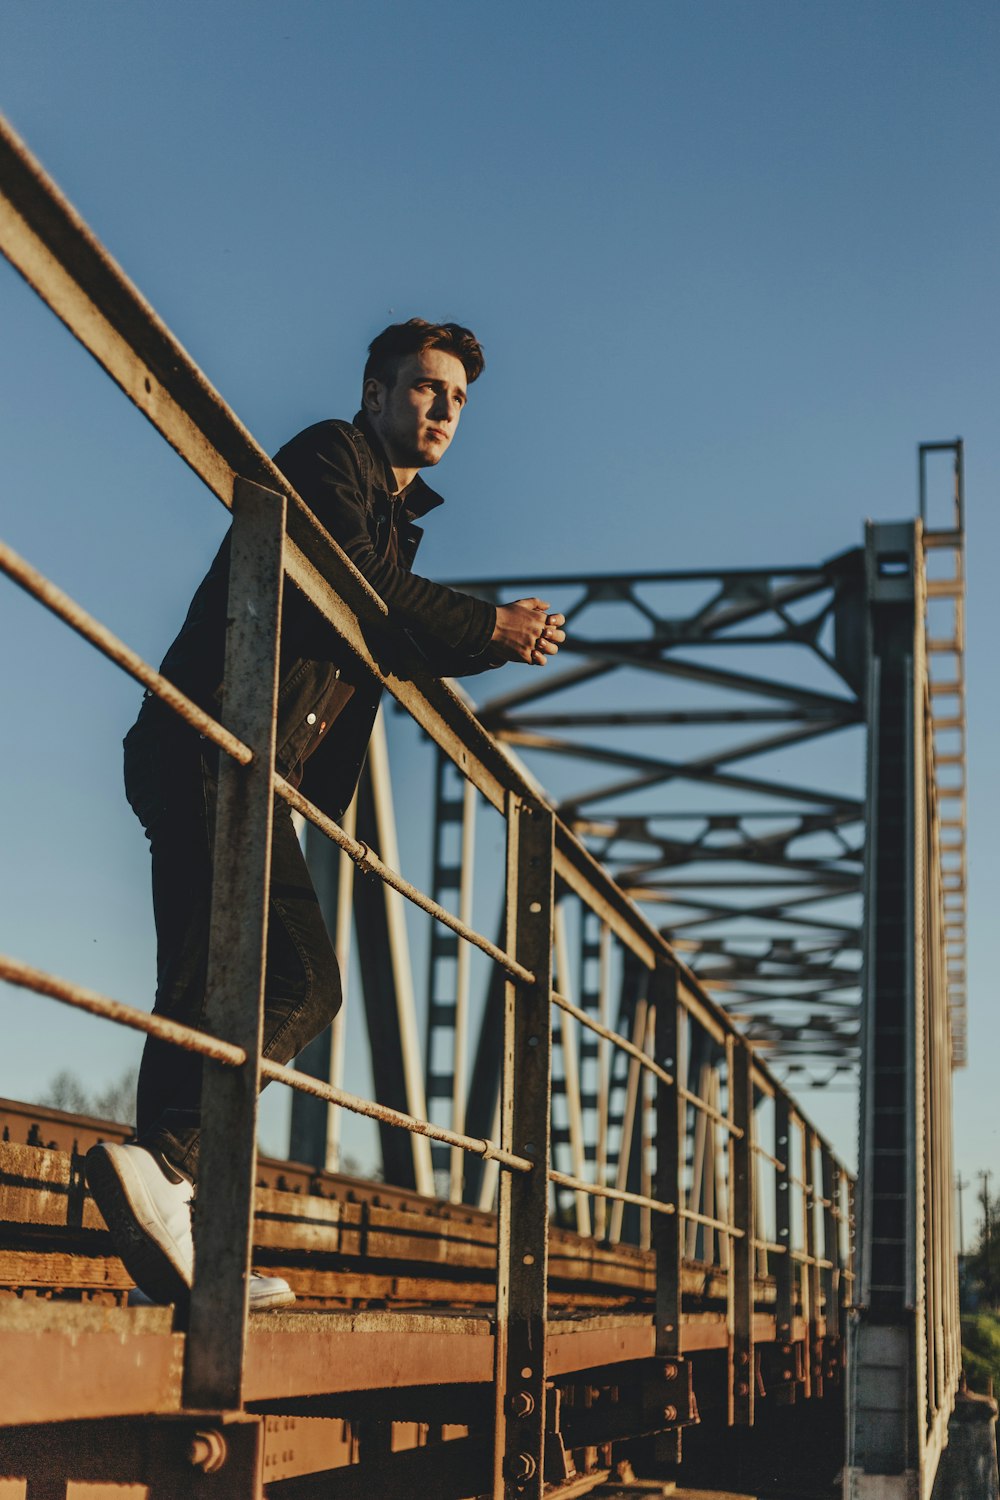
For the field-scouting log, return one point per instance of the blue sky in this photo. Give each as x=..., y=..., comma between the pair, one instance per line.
x=730, y=264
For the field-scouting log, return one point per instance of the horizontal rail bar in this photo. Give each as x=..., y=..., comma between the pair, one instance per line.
x=187, y=1037
x=770, y=1247
x=612, y=1036
x=74, y=615
x=368, y=861
x=736, y=1131
x=597, y=1190
x=475, y=1145
x=710, y=1223
x=811, y=1260
x=191, y=1040
x=779, y=1166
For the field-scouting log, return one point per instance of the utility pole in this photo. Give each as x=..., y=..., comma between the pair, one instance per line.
x=984, y=1178
x=960, y=1185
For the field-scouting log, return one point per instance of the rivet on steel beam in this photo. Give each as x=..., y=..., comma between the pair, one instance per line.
x=670, y=1414
x=208, y=1451
x=742, y=1389
x=670, y=1372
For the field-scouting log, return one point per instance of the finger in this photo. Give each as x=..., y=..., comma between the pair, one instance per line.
x=549, y=647
x=555, y=619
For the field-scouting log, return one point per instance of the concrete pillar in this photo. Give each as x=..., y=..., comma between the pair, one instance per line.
x=968, y=1467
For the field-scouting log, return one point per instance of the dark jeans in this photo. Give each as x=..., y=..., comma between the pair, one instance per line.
x=171, y=783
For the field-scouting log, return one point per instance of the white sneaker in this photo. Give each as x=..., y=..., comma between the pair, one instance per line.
x=148, y=1215
x=266, y=1293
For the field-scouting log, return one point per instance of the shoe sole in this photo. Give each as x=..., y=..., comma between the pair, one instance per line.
x=121, y=1203
x=272, y=1301
x=268, y=1303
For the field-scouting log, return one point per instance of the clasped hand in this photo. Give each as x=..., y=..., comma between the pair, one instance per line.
x=526, y=631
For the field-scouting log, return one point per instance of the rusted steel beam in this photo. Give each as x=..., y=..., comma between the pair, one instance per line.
x=63, y=1362
x=523, y=1218
x=59, y=1363
x=223, y=1216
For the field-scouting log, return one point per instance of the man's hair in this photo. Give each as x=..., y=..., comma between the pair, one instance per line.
x=400, y=340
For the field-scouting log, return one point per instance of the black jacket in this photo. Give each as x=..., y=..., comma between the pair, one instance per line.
x=326, y=700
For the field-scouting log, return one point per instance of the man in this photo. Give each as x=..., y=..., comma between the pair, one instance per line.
x=362, y=481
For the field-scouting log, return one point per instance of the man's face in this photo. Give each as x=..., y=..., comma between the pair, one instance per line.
x=416, y=417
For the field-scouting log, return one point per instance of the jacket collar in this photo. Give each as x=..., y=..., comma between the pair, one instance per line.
x=418, y=497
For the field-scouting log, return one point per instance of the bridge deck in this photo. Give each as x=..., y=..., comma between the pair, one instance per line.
x=73, y=1361
x=396, y=1293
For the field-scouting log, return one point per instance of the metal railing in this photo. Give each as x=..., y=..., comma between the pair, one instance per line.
x=714, y=1182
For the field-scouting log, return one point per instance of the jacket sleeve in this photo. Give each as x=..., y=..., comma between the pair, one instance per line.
x=324, y=468
x=430, y=656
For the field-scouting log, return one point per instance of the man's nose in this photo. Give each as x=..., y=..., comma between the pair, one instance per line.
x=446, y=407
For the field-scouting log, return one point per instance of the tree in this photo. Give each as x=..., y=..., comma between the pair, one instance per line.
x=115, y=1101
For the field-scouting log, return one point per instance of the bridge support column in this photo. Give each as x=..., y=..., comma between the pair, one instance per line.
x=897, y=1415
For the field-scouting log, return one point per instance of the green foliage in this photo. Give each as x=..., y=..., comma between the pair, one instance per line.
x=981, y=1350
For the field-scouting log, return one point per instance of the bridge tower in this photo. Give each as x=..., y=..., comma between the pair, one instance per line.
x=904, y=1343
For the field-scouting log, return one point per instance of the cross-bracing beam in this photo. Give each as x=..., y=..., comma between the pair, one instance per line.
x=674, y=691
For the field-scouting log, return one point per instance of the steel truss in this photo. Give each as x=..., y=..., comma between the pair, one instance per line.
x=755, y=878
x=674, y=1130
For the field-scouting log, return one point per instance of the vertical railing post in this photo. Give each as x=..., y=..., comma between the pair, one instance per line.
x=223, y=1221
x=668, y=1229
x=523, y=1219
x=743, y=1250
x=784, y=1301
x=814, y=1366
x=830, y=1278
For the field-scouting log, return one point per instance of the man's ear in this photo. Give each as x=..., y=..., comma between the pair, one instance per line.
x=372, y=394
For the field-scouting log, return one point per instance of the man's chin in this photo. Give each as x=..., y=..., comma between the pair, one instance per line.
x=430, y=456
